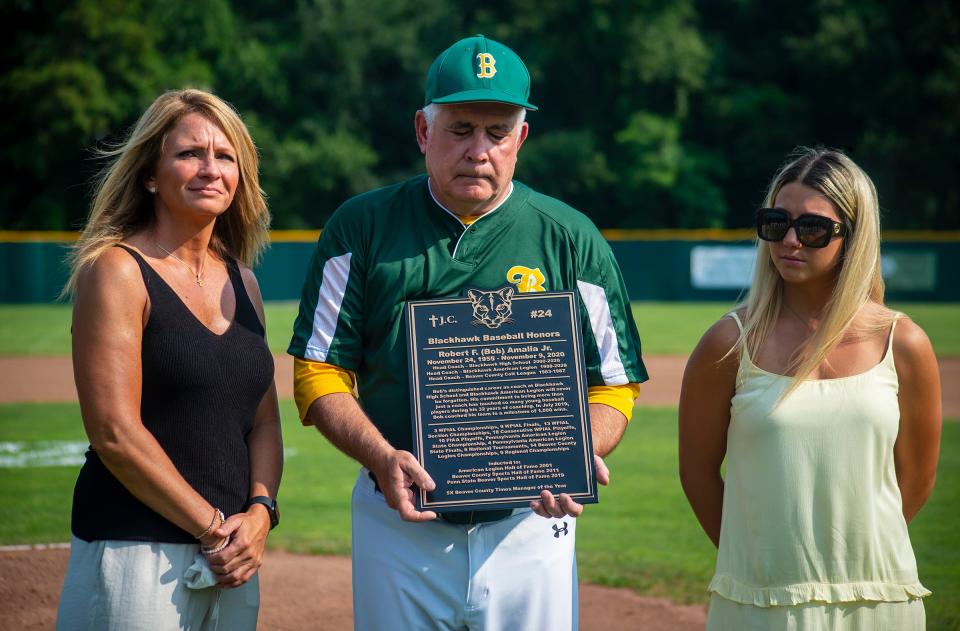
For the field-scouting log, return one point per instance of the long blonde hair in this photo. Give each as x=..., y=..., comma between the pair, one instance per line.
x=122, y=206
x=840, y=180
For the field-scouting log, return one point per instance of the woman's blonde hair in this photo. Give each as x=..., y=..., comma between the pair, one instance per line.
x=859, y=280
x=122, y=206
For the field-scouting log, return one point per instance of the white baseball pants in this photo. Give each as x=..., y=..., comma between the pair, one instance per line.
x=516, y=574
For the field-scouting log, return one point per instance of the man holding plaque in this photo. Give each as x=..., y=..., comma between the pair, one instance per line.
x=464, y=225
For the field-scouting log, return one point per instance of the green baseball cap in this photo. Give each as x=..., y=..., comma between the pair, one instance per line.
x=478, y=69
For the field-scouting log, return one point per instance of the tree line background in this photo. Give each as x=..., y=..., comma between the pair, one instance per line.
x=654, y=114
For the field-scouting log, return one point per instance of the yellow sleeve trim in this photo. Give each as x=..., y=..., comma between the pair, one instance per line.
x=620, y=398
x=312, y=380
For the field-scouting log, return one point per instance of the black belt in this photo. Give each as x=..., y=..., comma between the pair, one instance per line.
x=461, y=518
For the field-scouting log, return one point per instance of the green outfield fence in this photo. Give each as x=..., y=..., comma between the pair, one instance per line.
x=662, y=265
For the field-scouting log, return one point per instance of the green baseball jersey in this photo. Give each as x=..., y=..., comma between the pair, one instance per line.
x=383, y=248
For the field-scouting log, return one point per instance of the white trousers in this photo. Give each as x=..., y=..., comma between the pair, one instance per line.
x=516, y=574
x=132, y=586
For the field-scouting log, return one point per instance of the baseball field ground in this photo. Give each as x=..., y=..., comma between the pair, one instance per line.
x=642, y=535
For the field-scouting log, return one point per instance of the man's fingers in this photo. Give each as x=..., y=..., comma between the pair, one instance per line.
x=559, y=506
x=409, y=513
x=537, y=507
x=549, y=503
x=570, y=507
x=556, y=506
x=402, y=471
x=417, y=474
x=603, y=473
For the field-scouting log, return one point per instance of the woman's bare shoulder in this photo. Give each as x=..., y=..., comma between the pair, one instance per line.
x=115, y=271
x=717, y=349
x=910, y=342
x=722, y=336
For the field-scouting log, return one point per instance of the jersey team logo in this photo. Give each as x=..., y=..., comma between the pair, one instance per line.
x=488, y=65
x=491, y=308
x=527, y=280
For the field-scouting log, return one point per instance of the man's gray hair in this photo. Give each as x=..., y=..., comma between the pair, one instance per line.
x=430, y=113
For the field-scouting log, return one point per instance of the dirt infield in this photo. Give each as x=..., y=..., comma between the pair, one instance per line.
x=298, y=591
x=45, y=379
x=309, y=592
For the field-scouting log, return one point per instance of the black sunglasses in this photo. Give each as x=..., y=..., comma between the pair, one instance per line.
x=813, y=231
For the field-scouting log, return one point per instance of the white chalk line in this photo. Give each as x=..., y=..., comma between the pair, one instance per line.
x=27, y=547
x=56, y=453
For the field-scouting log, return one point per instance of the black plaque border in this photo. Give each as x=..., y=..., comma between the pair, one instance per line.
x=579, y=370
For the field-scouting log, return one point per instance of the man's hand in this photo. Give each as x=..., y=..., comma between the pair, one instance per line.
x=239, y=561
x=397, y=473
x=339, y=417
x=563, y=505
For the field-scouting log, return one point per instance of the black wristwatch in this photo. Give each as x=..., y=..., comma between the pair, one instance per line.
x=269, y=504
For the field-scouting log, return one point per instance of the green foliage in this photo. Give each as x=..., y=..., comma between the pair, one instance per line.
x=653, y=114
x=570, y=163
x=642, y=535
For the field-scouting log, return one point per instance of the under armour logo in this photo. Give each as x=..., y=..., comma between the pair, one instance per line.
x=487, y=65
x=557, y=530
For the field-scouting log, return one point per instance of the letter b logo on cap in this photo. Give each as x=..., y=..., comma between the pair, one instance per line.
x=487, y=65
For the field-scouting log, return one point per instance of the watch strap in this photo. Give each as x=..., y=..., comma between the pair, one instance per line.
x=269, y=504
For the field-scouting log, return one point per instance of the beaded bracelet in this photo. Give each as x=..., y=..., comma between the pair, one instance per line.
x=217, y=513
x=206, y=551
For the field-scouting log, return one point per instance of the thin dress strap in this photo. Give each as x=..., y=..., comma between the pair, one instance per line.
x=744, y=354
x=888, y=356
x=736, y=318
x=246, y=313
x=893, y=327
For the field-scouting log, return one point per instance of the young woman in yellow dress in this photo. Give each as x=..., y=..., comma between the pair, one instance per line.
x=825, y=405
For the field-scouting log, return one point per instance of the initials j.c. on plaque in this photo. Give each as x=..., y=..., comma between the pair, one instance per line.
x=499, y=399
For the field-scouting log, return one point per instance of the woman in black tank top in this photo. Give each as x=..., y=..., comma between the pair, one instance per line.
x=173, y=505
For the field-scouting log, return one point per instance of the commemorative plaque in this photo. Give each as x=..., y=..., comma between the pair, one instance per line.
x=499, y=399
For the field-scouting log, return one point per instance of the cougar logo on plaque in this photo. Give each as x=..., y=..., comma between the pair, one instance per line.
x=491, y=308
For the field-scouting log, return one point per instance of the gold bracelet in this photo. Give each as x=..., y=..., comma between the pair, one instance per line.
x=216, y=513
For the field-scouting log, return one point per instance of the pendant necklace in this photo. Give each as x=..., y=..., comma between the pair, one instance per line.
x=198, y=274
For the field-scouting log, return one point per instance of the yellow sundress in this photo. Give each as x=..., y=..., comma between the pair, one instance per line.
x=813, y=535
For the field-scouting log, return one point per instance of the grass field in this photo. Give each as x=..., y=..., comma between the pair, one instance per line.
x=665, y=328
x=642, y=535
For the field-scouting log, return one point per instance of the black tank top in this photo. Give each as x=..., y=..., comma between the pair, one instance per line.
x=200, y=393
